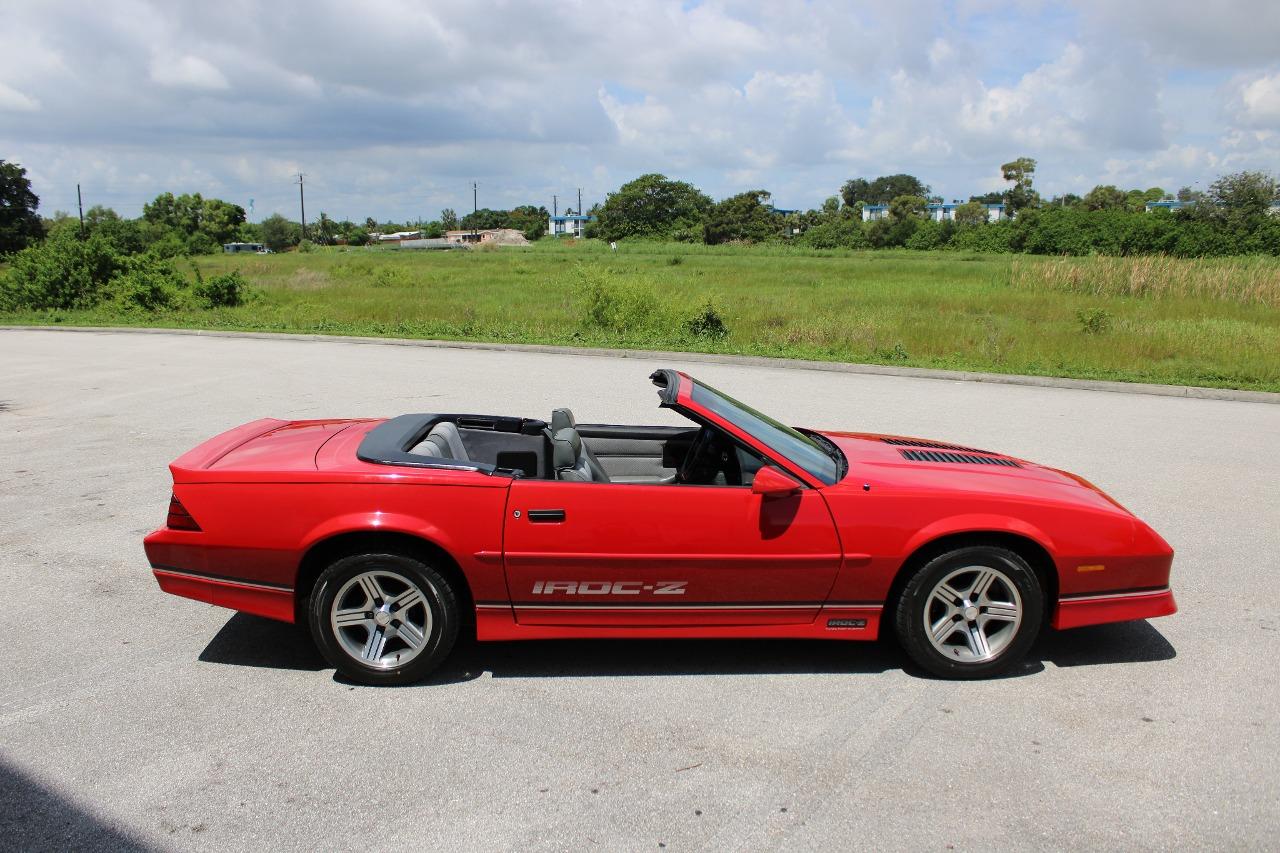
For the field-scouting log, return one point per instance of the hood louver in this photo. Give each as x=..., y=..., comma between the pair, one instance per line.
x=946, y=456
x=932, y=445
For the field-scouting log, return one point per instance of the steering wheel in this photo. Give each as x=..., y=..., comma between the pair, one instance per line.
x=709, y=455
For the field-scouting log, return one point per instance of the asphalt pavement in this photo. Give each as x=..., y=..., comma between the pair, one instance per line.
x=129, y=718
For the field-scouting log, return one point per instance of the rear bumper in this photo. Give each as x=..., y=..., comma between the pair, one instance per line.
x=269, y=601
x=1077, y=611
x=183, y=564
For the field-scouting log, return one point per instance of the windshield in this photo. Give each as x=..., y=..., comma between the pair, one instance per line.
x=794, y=446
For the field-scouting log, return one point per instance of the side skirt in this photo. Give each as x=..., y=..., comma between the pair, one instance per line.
x=496, y=621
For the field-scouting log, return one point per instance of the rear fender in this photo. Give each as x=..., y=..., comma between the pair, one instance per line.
x=379, y=522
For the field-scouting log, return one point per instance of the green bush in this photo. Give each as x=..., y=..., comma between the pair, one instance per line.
x=931, y=235
x=61, y=273
x=615, y=306
x=202, y=244
x=707, y=323
x=222, y=291
x=834, y=234
x=146, y=284
x=171, y=245
x=995, y=238
x=1094, y=321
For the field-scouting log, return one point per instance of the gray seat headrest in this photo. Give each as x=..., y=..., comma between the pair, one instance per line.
x=566, y=447
x=445, y=441
x=562, y=418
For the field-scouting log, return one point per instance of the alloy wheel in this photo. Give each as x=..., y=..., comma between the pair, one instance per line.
x=973, y=614
x=381, y=619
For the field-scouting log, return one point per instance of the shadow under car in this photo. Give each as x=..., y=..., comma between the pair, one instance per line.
x=257, y=642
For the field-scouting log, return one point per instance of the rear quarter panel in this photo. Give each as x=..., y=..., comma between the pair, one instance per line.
x=259, y=532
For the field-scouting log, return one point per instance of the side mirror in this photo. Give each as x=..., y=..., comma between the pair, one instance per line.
x=772, y=483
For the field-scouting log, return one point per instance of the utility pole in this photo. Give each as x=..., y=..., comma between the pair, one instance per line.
x=80, y=202
x=555, y=205
x=579, y=201
x=475, y=211
x=577, y=231
x=302, y=201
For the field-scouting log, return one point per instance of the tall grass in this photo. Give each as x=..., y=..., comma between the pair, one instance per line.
x=1245, y=281
x=1214, y=322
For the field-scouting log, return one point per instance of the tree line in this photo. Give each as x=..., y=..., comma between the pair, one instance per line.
x=190, y=224
x=1233, y=217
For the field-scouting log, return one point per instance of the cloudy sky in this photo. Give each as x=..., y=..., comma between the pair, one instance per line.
x=393, y=108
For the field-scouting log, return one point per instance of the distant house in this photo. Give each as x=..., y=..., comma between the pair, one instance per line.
x=938, y=211
x=568, y=225
x=395, y=237
x=497, y=236
x=431, y=243
x=234, y=248
x=1169, y=204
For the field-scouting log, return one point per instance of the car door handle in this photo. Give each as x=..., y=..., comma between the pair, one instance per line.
x=545, y=516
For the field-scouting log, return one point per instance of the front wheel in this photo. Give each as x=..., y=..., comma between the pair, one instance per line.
x=383, y=618
x=970, y=613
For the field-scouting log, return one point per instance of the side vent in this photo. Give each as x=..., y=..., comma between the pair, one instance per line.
x=932, y=445
x=946, y=456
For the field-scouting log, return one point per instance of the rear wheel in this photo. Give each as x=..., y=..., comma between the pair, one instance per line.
x=970, y=613
x=383, y=618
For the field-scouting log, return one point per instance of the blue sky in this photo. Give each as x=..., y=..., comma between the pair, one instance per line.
x=393, y=109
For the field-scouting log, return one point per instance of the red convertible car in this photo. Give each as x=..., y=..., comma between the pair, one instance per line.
x=388, y=537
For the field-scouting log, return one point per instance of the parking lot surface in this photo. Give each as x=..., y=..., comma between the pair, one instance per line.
x=133, y=718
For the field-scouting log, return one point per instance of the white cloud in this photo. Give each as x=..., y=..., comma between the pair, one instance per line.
x=1258, y=102
x=12, y=99
x=187, y=72
x=393, y=113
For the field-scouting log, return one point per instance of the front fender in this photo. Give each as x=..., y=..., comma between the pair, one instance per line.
x=977, y=523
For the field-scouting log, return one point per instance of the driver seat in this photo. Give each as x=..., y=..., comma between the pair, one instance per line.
x=571, y=461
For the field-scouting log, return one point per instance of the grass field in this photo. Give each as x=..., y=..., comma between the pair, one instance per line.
x=1210, y=323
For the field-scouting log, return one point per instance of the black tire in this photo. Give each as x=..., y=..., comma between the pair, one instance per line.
x=959, y=653
x=434, y=618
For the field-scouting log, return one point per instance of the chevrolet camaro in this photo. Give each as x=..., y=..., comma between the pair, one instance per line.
x=389, y=537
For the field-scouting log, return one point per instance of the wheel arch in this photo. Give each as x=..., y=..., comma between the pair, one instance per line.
x=324, y=552
x=1035, y=553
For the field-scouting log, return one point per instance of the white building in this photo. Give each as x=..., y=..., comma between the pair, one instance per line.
x=938, y=212
x=568, y=225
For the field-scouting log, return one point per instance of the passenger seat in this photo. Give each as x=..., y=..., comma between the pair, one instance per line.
x=571, y=461
x=444, y=441
x=562, y=419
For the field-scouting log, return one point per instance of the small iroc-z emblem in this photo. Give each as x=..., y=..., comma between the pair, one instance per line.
x=610, y=587
x=846, y=623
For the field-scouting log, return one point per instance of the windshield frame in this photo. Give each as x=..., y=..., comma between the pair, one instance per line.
x=818, y=462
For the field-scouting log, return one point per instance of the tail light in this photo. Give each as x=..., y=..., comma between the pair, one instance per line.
x=179, y=518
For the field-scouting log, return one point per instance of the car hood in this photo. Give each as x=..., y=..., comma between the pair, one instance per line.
x=907, y=462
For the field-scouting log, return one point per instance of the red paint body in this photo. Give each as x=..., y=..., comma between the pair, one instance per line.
x=646, y=560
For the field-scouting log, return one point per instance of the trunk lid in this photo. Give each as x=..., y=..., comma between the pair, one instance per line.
x=268, y=444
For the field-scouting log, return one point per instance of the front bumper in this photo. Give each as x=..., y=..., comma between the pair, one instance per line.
x=1077, y=611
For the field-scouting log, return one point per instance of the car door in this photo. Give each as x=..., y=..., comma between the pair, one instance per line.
x=666, y=555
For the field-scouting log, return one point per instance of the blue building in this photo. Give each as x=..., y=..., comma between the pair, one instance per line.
x=938, y=211
x=1169, y=204
x=568, y=225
